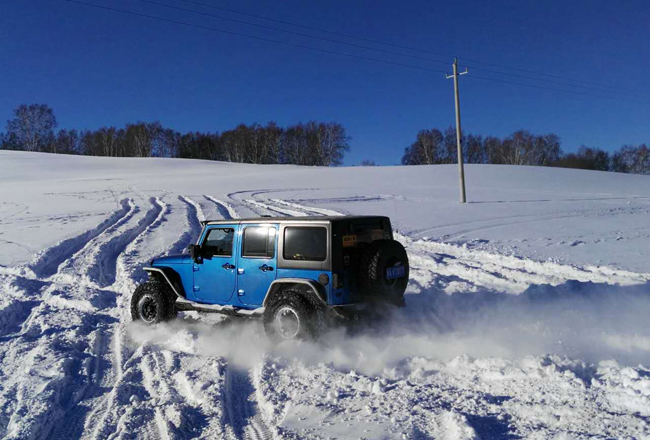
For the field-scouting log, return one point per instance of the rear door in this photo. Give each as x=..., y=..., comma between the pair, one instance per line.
x=256, y=263
x=215, y=277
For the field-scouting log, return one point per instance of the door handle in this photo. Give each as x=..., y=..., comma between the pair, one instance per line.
x=265, y=268
x=228, y=266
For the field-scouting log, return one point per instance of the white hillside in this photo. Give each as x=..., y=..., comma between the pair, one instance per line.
x=526, y=312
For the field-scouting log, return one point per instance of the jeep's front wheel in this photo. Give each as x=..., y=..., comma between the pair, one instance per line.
x=292, y=316
x=152, y=303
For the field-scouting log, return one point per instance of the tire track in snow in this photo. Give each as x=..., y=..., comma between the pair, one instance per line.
x=104, y=269
x=122, y=251
x=107, y=345
x=194, y=226
x=200, y=215
x=47, y=262
x=246, y=205
x=271, y=205
x=73, y=293
x=262, y=209
x=77, y=266
x=520, y=219
x=241, y=406
x=153, y=376
x=457, y=268
x=72, y=424
x=252, y=201
x=128, y=261
x=155, y=384
x=309, y=210
x=105, y=420
x=179, y=414
x=225, y=209
x=266, y=209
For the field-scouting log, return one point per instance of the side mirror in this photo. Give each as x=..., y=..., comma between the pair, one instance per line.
x=195, y=252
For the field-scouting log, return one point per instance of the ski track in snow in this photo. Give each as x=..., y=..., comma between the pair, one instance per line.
x=96, y=382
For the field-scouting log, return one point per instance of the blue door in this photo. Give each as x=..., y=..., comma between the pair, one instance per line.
x=215, y=276
x=256, y=268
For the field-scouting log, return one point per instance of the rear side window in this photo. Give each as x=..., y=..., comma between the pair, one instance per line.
x=219, y=242
x=307, y=244
x=259, y=242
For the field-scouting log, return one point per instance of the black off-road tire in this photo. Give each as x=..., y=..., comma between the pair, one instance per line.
x=309, y=312
x=153, y=302
x=374, y=285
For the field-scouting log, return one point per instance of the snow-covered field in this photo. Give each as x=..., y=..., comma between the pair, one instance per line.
x=526, y=312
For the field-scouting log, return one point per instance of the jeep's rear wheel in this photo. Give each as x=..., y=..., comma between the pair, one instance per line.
x=292, y=316
x=152, y=302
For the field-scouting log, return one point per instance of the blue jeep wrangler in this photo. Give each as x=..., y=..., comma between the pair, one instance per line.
x=290, y=271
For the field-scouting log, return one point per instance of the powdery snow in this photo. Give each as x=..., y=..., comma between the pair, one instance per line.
x=526, y=311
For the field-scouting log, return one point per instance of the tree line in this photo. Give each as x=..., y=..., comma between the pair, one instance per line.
x=522, y=148
x=32, y=128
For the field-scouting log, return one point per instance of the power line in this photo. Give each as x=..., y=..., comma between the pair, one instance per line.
x=329, y=40
x=301, y=46
x=253, y=37
x=573, y=92
x=359, y=46
x=569, y=82
x=515, y=75
x=340, y=34
x=548, y=75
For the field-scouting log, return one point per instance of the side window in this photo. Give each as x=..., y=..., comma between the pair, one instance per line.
x=308, y=244
x=218, y=242
x=259, y=242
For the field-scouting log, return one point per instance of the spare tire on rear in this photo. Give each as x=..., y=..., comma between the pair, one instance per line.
x=384, y=272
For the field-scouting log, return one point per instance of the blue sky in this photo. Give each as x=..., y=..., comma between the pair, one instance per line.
x=97, y=67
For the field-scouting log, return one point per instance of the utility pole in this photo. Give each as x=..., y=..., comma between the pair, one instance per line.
x=461, y=170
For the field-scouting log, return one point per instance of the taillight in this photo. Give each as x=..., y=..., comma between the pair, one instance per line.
x=337, y=281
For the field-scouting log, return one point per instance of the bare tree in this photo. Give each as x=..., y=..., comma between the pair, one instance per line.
x=631, y=159
x=294, y=145
x=66, y=142
x=493, y=147
x=332, y=144
x=427, y=149
x=474, y=149
x=141, y=138
x=32, y=127
x=585, y=158
x=450, y=150
x=524, y=148
x=273, y=142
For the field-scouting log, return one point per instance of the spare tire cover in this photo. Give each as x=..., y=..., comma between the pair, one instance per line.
x=384, y=271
